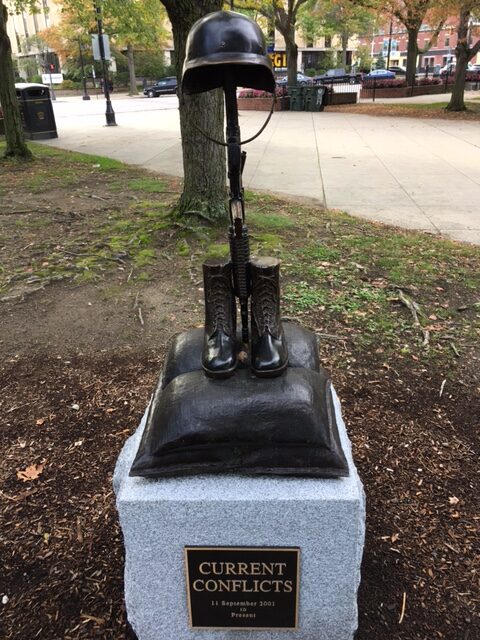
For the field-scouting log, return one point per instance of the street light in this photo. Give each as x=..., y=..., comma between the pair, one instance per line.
x=109, y=113
x=84, y=79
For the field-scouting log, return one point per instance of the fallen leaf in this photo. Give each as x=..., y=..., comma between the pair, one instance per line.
x=30, y=473
x=395, y=537
x=453, y=500
x=39, y=422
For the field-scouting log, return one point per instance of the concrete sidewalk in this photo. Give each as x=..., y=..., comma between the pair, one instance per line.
x=417, y=174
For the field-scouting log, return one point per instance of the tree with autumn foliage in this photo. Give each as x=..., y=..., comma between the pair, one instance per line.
x=468, y=45
x=14, y=136
x=283, y=14
x=412, y=14
x=131, y=23
x=344, y=18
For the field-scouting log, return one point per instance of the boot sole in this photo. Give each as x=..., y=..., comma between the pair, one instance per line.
x=219, y=375
x=272, y=373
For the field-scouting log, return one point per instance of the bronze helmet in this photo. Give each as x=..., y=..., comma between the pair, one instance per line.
x=221, y=41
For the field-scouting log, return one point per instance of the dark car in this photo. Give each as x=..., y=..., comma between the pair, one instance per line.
x=334, y=76
x=164, y=85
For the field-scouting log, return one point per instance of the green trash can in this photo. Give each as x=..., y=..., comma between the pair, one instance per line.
x=37, y=112
x=297, y=98
x=314, y=98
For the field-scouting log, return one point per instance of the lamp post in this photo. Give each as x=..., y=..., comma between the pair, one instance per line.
x=109, y=113
x=84, y=79
x=389, y=43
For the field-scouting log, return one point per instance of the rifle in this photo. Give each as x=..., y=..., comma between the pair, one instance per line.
x=238, y=231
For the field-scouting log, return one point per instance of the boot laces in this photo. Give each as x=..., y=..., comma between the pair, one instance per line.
x=219, y=304
x=267, y=304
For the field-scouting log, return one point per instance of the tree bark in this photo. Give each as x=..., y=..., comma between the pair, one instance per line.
x=15, y=139
x=412, y=54
x=204, y=164
x=292, y=59
x=457, y=99
x=131, y=71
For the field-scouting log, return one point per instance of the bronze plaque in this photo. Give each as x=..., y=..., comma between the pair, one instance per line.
x=242, y=587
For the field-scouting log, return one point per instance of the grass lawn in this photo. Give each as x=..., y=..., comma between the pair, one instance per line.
x=95, y=278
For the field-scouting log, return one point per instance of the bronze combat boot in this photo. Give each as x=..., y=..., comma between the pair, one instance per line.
x=219, y=356
x=269, y=349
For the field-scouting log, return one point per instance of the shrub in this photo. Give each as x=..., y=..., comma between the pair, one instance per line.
x=70, y=84
x=387, y=83
x=472, y=76
x=310, y=72
x=422, y=82
x=256, y=93
x=397, y=83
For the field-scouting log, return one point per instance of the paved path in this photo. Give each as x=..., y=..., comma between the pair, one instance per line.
x=417, y=174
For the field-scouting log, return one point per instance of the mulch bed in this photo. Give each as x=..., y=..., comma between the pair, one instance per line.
x=407, y=111
x=66, y=421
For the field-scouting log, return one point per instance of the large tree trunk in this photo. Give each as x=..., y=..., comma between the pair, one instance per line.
x=292, y=59
x=204, y=166
x=457, y=102
x=412, y=54
x=131, y=71
x=14, y=137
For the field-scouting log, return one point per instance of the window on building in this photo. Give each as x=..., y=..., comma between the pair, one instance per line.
x=447, y=41
x=328, y=42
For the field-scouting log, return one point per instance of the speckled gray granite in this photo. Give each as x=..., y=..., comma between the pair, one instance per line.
x=324, y=517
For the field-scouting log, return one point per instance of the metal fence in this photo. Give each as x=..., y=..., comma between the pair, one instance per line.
x=423, y=85
x=345, y=92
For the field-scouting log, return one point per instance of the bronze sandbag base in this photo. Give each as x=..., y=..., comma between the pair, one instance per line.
x=244, y=424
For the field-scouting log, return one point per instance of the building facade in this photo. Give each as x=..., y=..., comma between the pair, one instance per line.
x=31, y=55
x=433, y=54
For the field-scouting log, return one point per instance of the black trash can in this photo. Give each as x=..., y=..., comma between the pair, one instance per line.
x=297, y=98
x=37, y=112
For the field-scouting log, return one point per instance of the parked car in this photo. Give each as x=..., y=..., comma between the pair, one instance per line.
x=451, y=66
x=302, y=79
x=379, y=74
x=334, y=76
x=162, y=86
x=398, y=71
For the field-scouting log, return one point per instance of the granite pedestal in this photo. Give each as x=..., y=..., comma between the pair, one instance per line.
x=325, y=518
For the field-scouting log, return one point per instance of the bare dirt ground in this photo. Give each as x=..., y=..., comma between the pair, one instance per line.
x=95, y=279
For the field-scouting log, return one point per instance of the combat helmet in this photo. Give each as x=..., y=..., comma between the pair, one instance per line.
x=226, y=40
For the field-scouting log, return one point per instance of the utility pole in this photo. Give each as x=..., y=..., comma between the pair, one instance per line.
x=84, y=79
x=109, y=113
